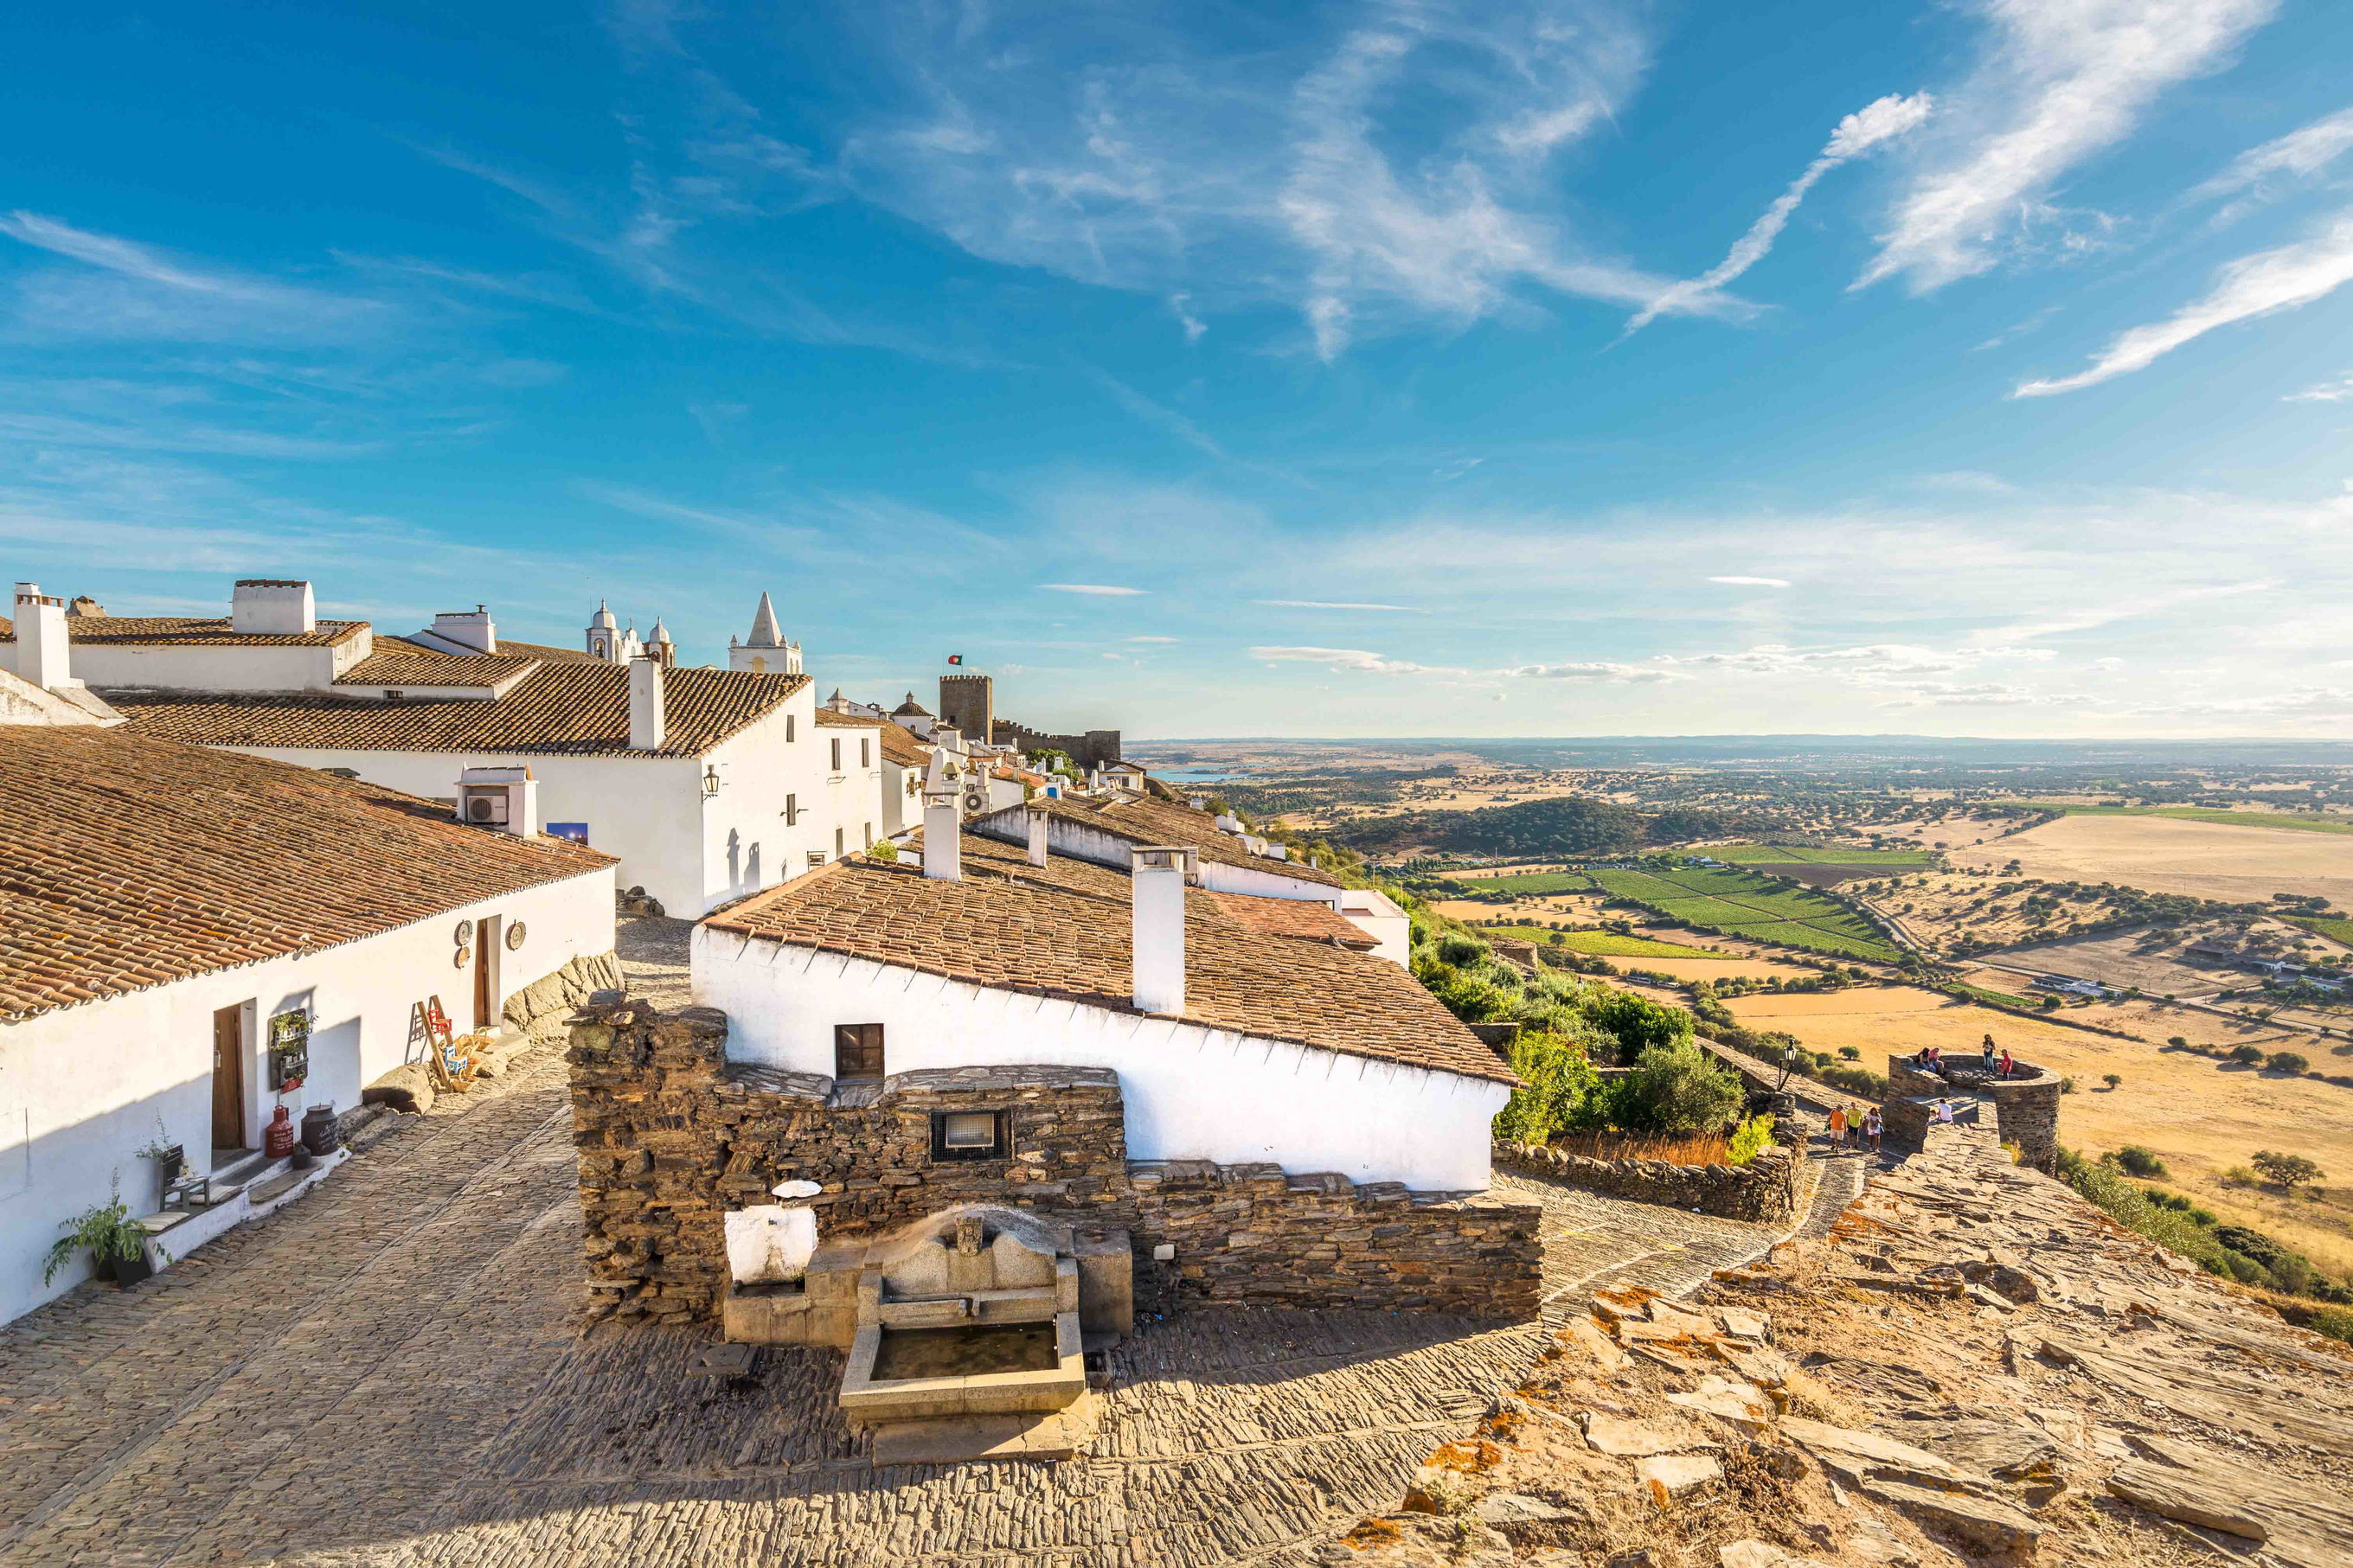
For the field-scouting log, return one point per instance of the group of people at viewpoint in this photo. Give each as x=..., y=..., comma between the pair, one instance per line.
x=1851, y=1126
x=1995, y=1060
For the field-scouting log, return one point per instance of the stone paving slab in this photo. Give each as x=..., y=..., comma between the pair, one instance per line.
x=389, y=1371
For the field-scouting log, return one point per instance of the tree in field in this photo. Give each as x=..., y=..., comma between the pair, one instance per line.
x=2111, y=1079
x=2288, y=1170
x=2288, y=1061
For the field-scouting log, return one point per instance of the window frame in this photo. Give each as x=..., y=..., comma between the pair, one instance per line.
x=852, y=1042
x=1000, y=1147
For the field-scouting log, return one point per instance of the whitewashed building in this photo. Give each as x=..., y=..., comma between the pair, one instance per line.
x=194, y=937
x=1244, y=1028
x=708, y=785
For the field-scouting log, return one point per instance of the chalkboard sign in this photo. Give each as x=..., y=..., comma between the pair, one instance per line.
x=290, y=1050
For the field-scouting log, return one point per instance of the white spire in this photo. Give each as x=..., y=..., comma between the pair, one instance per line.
x=766, y=633
x=603, y=619
x=661, y=632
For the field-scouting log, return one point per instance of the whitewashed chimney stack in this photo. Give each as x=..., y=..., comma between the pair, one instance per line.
x=44, y=651
x=943, y=836
x=1038, y=820
x=647, y=725
x=272, y=606
x=1157, y=878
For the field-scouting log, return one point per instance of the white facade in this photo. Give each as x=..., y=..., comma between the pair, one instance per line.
x=211, y=666
x=1192, y=1093
x=688, y=844
x=1085, y=841
x=1370, y=911
x=82, y=1089
x=852, y=805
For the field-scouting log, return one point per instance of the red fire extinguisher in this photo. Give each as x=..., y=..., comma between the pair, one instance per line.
x=278, y=1138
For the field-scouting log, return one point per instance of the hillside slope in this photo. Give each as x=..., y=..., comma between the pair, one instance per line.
x=1972, y=1365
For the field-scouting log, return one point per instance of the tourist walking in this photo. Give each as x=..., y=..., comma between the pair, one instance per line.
x=1838, y=1128
x=1988, y=1053
x=1870, y=1127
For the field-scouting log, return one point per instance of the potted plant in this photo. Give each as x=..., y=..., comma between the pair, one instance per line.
x=116, y=1243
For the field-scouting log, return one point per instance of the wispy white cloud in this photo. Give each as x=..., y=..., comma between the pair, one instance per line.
x=1753, y=581
x=2325, y=391
x=1340, y=659
x=2259, y=172
x=1152, y=640
x=124, y=290
x=2059, y=80
x=1333, y=605
x=2257, y=285
x=1598, y=671
x=1396, y=172
x=1100, y=590
x=1878, y=121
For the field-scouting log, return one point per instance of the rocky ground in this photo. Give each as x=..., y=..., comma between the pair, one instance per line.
x=1967, y=1366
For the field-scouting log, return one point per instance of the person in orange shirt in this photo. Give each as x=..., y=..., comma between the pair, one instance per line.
x=1838, y=1128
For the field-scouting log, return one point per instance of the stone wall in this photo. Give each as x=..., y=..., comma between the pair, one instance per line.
x=1094, y=749
x=557, y=995
x=671, y=1136
x=1764, y=1189
x=2025, y=1107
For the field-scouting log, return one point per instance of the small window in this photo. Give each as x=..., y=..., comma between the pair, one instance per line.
x=838, y=835
x=792, y=810
x=865, y=753
x=788, y=727
x=837, y=753
x=857, y=1051
x=968, y=1135
x=866, y=832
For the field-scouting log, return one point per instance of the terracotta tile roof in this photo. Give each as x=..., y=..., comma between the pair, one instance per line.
x=402, y=667
x=834, y=721
x=1301, y=918
x=186, y=631
x=903, y=748
x=543, y=652
x=1148, y=821
x=1063, y=930
x=127, y=862
x=558, y=709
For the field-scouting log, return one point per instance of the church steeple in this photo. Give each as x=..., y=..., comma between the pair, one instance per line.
x=766, y=651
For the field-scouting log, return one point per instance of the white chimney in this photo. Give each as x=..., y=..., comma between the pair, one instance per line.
x=44, y=653
x=1157, y=940
x=647, y=727
x=467, y=628
x=272, y=606
x=1038, y=825
x=504, y=799
x=943, y=836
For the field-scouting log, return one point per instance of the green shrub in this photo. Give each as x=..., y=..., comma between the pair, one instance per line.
x=2113, y=1080
x=1755, y=1136
x=1560, y=1092
x=2289, y=1171
x=2136, y=1160
x=2246, y=1056
x=1674, y=1088
x=1461, y=950
x=2066, y=1086
x=2287, y=1061
x=1851, y=1053
x=1638, y=1023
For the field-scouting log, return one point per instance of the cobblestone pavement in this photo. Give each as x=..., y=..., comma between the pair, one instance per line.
x=389, y=1373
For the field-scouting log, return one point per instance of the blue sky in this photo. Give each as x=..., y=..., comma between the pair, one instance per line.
x=1554, y=368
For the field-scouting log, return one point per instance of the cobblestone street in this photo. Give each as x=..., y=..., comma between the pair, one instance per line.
x=389, y=1371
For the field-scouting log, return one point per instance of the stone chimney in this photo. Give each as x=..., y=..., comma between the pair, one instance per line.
x=648, y=726
x=1158, y=877
x=272, y=606
x=467, y=628
x=44, y=654
x=944, y=835
x=1037, y=819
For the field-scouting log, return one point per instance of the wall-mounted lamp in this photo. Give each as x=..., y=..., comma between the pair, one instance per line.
x=710, y=780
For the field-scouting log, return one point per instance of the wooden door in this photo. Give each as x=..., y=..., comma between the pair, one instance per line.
x=229, y=1079
x=485, y=932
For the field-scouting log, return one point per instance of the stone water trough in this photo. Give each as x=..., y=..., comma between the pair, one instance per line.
x=973, y=1311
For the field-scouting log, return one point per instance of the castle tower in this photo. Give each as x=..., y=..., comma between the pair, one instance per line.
x=766, y=651
x=967, y=702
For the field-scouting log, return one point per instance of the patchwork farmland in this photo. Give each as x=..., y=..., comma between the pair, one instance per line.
x=1748, y=904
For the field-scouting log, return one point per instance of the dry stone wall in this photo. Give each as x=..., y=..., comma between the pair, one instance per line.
x=671, y=1136
x=1764, y=1189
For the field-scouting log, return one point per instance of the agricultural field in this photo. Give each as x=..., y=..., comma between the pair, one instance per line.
x=2336, y=930
x=2200, y=1116
x=2287, y=821
x=1610, y=944
x=1784, y=855
x=1535, y=884
x=2173, y=855
x=1746, y=904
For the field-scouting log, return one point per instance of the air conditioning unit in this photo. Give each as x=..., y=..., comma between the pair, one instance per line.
x=975, y=802
x=505, y=800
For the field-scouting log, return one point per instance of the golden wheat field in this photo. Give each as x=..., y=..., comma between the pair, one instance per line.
x=2200, y=1116
x=2166, y=854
